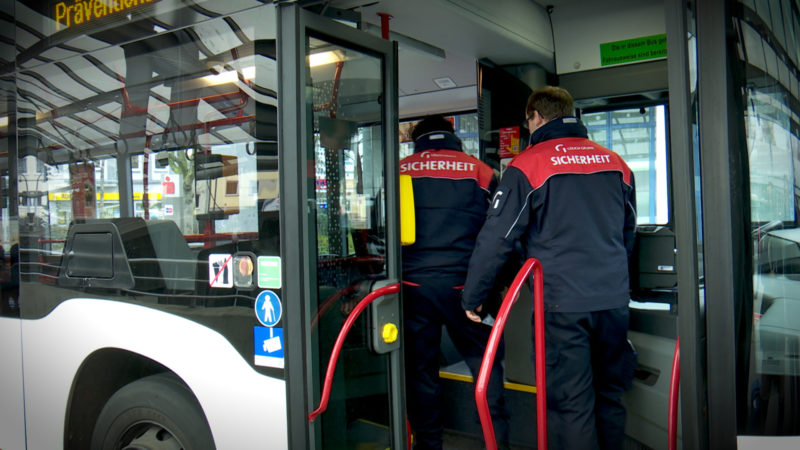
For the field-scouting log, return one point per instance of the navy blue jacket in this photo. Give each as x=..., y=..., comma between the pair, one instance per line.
x=451, y=194
x=571, y=203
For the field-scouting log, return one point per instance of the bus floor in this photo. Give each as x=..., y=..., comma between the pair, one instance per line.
x=462, y=428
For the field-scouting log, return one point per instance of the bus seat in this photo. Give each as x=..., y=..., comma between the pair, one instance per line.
x=95, y=257
x=175, y=259
x=140, y=252
x=148, y=242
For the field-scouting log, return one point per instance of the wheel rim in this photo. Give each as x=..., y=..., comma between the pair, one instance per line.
x=149, y=436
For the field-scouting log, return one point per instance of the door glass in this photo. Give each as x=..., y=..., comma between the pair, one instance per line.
x=768, y=50
x=345, y=93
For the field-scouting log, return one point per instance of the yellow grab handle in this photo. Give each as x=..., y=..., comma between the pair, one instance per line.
x=408, y=223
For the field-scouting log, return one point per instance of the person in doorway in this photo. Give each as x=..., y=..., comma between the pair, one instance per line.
x=451, y=195
x=571, y=204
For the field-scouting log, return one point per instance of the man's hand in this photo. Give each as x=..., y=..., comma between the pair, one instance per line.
x=473, y=314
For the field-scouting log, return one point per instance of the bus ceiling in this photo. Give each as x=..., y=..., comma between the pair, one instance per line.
x=440, y=41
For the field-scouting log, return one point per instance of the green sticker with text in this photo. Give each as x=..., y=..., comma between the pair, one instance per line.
x=632, y=50
x=269, y=272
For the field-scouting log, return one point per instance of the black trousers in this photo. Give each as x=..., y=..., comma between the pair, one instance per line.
x=589, y=366
x=427, y=306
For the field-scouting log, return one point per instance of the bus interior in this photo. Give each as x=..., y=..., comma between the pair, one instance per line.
x=188, y=104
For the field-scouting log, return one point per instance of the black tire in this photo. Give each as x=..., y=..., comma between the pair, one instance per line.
x=155, y=413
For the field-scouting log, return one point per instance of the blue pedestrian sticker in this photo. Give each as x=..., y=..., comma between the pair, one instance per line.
x=268, y=346
x=268, y=308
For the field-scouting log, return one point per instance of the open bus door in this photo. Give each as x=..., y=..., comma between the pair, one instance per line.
x=338, y=137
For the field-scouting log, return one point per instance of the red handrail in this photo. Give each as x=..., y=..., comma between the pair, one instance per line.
x=674, y=385
x=337, y=347
x=330, y=301
x=531, y=265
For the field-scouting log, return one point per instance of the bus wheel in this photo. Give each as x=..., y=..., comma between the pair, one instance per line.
x=155, y=413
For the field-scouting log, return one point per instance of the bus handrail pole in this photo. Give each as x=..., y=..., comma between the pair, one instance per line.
x=337, y=347
x=674, y=385
x=541, y=381
x=531, y=265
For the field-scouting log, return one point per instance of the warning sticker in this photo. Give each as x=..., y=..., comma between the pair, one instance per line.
x=220, y=270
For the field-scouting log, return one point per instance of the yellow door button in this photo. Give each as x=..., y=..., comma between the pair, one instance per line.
x=389, y=333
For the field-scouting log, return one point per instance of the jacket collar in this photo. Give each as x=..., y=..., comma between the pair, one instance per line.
x=558, y=128
x=437, y=140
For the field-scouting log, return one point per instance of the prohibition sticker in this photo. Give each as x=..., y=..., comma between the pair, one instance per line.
x=220, y=270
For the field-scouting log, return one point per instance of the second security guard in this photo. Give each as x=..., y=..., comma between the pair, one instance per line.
x=451, y=195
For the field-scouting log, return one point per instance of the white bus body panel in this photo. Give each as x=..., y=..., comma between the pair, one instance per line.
x=246, y=410
x=12, y=421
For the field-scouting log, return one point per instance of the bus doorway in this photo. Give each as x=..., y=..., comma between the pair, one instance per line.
x=340, y=214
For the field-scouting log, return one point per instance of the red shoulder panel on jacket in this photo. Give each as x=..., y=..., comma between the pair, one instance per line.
x=447, y=164
x=568, y=156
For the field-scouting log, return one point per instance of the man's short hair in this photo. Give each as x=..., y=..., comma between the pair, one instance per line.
x=431, y=124
x=551, y=102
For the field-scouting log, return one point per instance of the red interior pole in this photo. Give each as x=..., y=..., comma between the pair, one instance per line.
x=531, y=265
x=674, y=385
x=541, y=381
x=385, y=25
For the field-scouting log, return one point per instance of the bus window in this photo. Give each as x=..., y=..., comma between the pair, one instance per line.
x=9, y=247
x=464, y=124
x=639, y=136
x=148, y=148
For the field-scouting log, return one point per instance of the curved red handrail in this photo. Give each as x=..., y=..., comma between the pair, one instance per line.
x=674, y=385
x=337, y=347
x=330, y=301
x=531, y=265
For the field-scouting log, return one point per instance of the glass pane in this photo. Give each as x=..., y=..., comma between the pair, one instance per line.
x=639, y=136
x=9, y=247
x=348, y=192
x=164, y=138
x=465, y=126
x=773, y=147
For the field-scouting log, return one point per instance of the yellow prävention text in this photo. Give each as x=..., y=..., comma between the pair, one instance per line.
x=82, y=11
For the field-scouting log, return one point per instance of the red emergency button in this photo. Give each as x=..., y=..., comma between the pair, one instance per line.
x=243, y=273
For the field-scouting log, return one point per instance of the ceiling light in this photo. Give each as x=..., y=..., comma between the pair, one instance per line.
x=444, y=82
x=322, y=58
x=4, y=121
x=229, y=76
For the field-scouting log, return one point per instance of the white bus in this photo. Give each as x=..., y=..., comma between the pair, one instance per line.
x=194, y=195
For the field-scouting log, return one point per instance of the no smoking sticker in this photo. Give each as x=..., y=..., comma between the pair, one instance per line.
x=220, y=270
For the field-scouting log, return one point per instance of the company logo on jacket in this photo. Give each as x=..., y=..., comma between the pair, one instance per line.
x=569, y=155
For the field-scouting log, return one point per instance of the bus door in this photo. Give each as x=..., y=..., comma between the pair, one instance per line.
x=634, y=124
x=338, y=189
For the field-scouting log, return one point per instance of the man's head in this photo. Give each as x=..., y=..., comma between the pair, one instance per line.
x=431, y=124
x=545, y=104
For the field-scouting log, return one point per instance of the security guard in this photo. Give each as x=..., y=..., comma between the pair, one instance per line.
x=572, y=204
x=451, y=194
